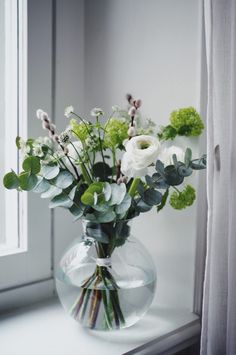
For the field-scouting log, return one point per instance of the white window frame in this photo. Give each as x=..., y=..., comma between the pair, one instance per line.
x=26, y=265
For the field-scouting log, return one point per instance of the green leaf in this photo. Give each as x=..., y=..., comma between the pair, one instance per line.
x=77, y=210
x=184, y=171
x=61, y=200
x=11, y=181
x=117, y=194
x=172, y=177
x=87, y=199
x=141, y=206
x=27, y=181
x=51, y=192
x=107, y=191
x=64, y=179
x=124, y=205
x=42, y=185
x=152, y=197
x=50, y=171
x=163, y=201
x=101, y=170
x=18, y=142
x=32, y=165
x=160, y=167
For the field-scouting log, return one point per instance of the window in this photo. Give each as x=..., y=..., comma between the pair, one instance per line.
x=13, y=44
x=25, y=239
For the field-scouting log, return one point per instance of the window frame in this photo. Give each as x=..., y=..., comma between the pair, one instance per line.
x=26, y=270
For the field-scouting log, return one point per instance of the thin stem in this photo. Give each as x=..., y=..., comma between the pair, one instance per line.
x=133, y=187
x=83, y=167
x=101, y=149
x=85, y=123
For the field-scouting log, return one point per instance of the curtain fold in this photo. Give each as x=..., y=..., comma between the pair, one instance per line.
x=219, y=299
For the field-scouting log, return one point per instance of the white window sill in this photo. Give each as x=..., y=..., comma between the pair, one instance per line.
x=46, y=329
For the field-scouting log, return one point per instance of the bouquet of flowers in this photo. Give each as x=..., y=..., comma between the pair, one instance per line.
x=108, y=172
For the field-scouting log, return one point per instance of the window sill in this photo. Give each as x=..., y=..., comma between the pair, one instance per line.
x=45, y=329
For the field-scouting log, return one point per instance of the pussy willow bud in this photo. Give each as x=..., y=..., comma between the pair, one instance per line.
x=56, y=138
x=131, y=131
x=44, y=117
x=129, y=98
x=46, y=125
x=137, y=103
x=132, y=111
x=39, y=113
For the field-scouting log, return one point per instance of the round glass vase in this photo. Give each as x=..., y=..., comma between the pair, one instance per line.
x=106, y=279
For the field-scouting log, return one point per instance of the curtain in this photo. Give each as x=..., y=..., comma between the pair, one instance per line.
x=219, y=299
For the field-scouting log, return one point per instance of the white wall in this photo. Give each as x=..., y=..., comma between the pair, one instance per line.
x=151, y=49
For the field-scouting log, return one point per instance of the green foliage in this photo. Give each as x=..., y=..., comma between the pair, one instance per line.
x=183, y=199
x=163, y=201
x=32, y=165
x=187, y=122
x=102, y=171
x=50, y=171
x=27, y=181
x=64, y=179
x=11, y=181
x=80, y=130
x=167, y=132
x=115, y=133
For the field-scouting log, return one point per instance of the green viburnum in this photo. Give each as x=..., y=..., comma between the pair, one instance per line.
x=187, y=122
x=183, y=199
x=116, y=131
x=80, y=130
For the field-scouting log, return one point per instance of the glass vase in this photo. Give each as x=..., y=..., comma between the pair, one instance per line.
x=106, y=279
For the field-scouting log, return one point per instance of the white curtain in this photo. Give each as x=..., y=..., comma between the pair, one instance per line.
x=219, y=301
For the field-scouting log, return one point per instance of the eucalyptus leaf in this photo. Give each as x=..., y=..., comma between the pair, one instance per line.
x=11, y=181
x=124, y=205
x=50, y=171
x=184, y=170
x=27, y=181
x=141, y=206
x=51, y=192
x=93, y=231
x=152, y=197
x=32, y=165
x=117, y=194
x=61, y=200
x=107, y=191
x=160, y=167
x=172, y=177
x=64, y=179
x=101, y=170
x=42, y=185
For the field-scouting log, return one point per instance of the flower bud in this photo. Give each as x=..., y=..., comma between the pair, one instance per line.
x=56, y=138
x=39, y=113
x=44, y=117
x=129, y=98
x=132, y=111
x=46, y=125
x=131, y=131
x=137, y=103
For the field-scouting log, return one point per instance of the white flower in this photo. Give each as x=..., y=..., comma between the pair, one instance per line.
x=65, y=136
x=166, y=155
x=37, y=150
x=68, y=111
x=96, y=111
x=141, y=151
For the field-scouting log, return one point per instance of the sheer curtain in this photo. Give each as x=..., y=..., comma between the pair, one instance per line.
x=219, y=301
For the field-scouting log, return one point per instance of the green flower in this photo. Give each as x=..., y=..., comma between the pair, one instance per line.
x=116, y=131
x=183, y=199
x=187, y=122
x=80, y=130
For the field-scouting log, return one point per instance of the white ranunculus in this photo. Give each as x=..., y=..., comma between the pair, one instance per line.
x=166, y=155
x=141, y=151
